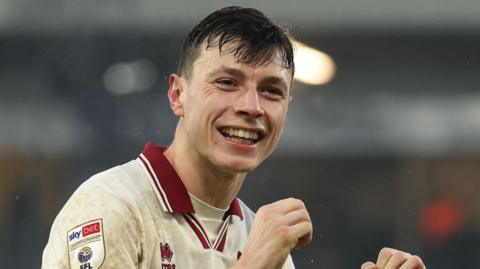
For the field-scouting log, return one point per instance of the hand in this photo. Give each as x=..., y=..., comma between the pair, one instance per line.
x=389, y=258
x=278, y=228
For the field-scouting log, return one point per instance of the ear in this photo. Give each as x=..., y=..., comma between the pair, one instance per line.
x=175, y=92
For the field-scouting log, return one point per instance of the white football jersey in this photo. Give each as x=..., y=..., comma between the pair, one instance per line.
x=139, y=215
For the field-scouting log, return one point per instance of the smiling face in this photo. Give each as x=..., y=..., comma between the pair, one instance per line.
x=231, y=114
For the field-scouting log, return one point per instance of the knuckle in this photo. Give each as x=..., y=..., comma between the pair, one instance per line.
x=285, y=235
x=417, y=260
x=261, y=210
x=264, y=210
x=310, y=226
x=387, y=251
x=284, y=231
x=402, y=255
x=307, y=226
x=268, y=216
x=368, y=265
x=267, y=212
x=290, y=200
x=296, y=201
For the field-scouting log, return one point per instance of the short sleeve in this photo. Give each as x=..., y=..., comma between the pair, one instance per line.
x=96, y=228
x=288, y=263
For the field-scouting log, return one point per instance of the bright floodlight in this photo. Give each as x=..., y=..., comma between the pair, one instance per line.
x=130, y=77
x=312, y=66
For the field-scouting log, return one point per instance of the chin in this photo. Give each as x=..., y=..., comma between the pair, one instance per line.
x=239, y=166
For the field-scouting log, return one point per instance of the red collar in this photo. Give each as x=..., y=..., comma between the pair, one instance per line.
x=170, y=190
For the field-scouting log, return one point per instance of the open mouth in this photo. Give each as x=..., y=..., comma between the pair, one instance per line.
x=241, y=136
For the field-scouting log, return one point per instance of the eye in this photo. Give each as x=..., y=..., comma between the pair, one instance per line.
x=273, y=93
x=226, y=82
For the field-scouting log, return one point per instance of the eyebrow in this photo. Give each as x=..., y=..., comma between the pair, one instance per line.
x=276, y=81
x=239, y=74
x=231, y=71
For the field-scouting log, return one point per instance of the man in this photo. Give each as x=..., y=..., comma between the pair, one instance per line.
x=176, y=207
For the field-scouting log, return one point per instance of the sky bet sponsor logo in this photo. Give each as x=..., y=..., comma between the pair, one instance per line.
x=91, y=229
x=84, y=231
x=74, y=235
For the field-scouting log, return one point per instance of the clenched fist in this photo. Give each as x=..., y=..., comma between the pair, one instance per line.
x=278, y=228
x=390, y=258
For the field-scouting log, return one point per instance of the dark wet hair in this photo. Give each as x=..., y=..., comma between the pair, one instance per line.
x=255, y=38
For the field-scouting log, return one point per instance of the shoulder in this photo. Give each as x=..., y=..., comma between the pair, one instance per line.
x=116, y=195
x=104, y=213
x=124, y=184
x=122, y=180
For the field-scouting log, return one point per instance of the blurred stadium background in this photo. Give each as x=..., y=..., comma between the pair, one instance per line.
x=386, y=153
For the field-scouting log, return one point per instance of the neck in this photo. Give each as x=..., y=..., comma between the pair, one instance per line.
x=208, y=183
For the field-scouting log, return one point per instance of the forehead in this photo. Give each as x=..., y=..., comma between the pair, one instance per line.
x=211, y=59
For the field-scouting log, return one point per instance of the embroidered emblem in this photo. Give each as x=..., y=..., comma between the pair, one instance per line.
x=85, y=254
x=86, y=248
x=166, y=252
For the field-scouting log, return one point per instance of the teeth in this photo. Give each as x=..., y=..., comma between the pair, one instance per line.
x=241, y=133
x=240, y=140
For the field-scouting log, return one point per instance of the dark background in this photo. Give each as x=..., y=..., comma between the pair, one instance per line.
x=386, y=154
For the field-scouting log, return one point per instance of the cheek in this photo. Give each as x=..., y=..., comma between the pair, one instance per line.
x=204, y=109
x=276, y=121
x=276, y=115
x=194, y=103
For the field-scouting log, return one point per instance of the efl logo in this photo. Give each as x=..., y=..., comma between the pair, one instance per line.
x=86, y=266
x=91, y=229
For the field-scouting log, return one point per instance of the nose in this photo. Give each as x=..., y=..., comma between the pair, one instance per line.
x=249, y=103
